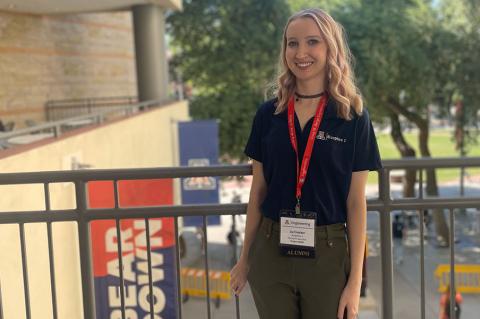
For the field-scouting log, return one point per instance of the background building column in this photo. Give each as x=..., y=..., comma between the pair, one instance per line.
x=150, y=52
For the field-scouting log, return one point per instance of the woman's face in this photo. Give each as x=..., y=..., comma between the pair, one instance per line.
x=306, y=50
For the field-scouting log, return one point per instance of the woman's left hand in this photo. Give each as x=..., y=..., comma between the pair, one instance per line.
x=349, y=302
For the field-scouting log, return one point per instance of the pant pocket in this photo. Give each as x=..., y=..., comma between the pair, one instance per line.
x=253, y=246
x=253, y=256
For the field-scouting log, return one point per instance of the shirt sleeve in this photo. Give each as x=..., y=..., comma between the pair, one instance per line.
x=366, y=154
x=253, y=149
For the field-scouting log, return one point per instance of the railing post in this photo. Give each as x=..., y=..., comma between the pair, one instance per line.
x=453, y=289
x=56, y=131
x=386, y=246
x=88, y=288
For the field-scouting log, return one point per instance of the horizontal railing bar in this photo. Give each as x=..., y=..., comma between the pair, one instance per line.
x=89, y=99
x=218, y=170
x=83, y=107
x=38, y=216
x=435, y=200
x=168, y=211
x=236, y=209
x=211, y=209
x=416, y=204
x=429, y=162
x=131, y=212
x=123, y=174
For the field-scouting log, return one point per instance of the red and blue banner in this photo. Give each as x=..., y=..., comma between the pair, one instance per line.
x=198, y=144
x=134, y=193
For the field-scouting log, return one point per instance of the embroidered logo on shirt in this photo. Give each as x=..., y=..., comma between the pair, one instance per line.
x=325, y=136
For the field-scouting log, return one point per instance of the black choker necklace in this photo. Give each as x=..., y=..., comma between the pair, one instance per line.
x=301, y=96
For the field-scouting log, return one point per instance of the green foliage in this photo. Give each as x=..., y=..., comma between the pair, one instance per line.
x=235, y=110
x=457, y=43
x=228, y=51
x=390, y=49
x=413, y=52
x=328, y=5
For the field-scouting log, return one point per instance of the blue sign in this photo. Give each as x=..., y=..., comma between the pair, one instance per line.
x=198, y=141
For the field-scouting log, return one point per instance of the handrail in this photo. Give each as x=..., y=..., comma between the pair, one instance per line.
x=61, y=109
x=89, y=99
x=431, y=162
x=214, y=170
x=122, y=174
x=97, y=117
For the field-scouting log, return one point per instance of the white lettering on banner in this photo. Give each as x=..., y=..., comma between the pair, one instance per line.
x=130, y=298
x=129, y=314
x=137, y=253
x=158, y=299
x=111, y=240
x=157, y=273
x=141, y=238
x=128, y=274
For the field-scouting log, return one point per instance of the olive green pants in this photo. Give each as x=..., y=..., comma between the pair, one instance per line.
x=298, y=288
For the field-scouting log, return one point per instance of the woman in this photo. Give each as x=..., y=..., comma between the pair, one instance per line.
x=312, y=147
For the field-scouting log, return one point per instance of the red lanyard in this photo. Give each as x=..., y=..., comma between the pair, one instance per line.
x=302, y=173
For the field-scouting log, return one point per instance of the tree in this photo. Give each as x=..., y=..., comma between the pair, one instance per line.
x=391, y=41
x=460, y=70
x=228, y=51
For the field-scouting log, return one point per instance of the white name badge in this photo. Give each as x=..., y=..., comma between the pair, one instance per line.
x=297, y=231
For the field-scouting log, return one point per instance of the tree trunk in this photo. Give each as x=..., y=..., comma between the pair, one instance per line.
x=405, y=151
x=441, y=227
x=432, y=188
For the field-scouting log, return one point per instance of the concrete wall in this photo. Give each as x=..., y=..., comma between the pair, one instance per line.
x=144, y=140
x=62, y=57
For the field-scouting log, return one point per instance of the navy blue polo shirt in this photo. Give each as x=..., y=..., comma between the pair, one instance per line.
x=341, y=147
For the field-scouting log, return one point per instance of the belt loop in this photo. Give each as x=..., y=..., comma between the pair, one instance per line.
x=329, y=242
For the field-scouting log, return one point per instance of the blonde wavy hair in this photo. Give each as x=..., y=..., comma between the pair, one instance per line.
x=340, y=77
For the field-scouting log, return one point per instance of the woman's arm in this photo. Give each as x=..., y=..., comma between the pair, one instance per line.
x=258, y=190
x=356, y=229
x=357, y=225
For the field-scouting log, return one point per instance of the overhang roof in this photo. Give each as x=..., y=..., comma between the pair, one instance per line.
x=80, y=6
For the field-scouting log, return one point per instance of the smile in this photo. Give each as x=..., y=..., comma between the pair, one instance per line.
x=303, y=65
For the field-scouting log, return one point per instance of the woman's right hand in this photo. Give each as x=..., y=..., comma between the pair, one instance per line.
x=238, y=276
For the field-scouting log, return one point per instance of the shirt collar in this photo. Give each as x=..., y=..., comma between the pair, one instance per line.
x=330, y=110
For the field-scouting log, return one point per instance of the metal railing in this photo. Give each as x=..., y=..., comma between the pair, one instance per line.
x=61, y=109
x=57, y=128
x=83, y=215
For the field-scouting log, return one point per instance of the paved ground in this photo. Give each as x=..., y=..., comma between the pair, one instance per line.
x=406, y=275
